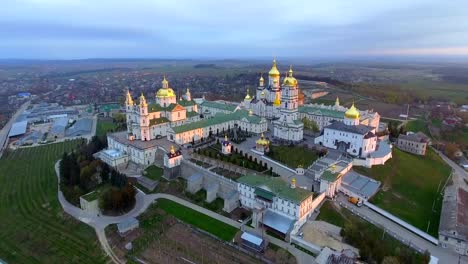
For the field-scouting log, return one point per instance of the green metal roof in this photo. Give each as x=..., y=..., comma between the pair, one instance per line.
x=108, y=107
x=186, y=103
x=217, y=119
x=297, y=122
x=276, y=186
x=264, y=194
x=320, y=111
x=155, y=108
x=222, y=106
x=330, y=176
x=157, y=121
x=91, y=196
x=192, y=114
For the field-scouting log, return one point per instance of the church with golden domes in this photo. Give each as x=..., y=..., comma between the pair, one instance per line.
x=267, y=99
x=349, y=135
x=147, y=121
x=279, y=102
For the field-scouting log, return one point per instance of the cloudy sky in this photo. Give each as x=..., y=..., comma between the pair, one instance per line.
x=69, y=29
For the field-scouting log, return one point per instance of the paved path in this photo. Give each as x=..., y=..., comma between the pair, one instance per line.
x=456, y=168
x=444, y=255
x=143, y=201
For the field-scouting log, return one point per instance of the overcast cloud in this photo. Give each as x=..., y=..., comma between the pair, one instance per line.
x=66, y=29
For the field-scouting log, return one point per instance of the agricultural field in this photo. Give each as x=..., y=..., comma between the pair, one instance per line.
x=410, y=181
x=34, y=228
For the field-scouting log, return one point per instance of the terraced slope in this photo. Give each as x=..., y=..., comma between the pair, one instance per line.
x=33, y=227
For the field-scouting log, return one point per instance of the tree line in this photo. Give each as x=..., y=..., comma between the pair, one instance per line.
x=81, y=173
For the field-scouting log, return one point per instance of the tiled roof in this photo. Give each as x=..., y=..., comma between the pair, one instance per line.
x=276, y=186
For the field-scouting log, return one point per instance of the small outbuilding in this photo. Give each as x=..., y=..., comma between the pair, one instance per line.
x=252, y=242
x=127, y=225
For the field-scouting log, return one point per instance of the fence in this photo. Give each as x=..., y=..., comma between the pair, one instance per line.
x=393, y=234
x=402, y=223
x=307, y=245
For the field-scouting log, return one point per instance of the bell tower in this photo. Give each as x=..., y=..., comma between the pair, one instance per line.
x=144, y=121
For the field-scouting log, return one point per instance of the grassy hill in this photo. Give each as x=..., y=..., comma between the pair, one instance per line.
x=33, y=226
x=412, y=187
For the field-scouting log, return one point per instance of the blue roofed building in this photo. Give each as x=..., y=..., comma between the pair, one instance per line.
x=18, y=129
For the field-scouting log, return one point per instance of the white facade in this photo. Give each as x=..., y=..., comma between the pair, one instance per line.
x=221, y=122
x=278, y=205
x=298, y=206
x=91, y=206
x=349, y=135
x=173, y=158
x=288, y=127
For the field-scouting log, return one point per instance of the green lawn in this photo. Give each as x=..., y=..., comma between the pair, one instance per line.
x=329, y=214
x=104, y=126
x=33, y=227
x=293, y=156
x=154, y=173
x=197, y=219
x=388, y=246
x=418, y=125
x=214, y=151
x=410, y=185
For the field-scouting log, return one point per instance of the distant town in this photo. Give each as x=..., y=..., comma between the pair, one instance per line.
x=272, y=163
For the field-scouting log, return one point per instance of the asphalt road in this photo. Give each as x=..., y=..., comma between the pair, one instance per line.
x=6, y=129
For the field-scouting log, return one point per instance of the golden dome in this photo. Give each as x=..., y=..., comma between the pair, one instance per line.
x=263, y=93
x=247, y=97
x=165, y=92
x=352, y=113
x=262, y=141
x=261, y=78
x=143, y=100
x=274, y=71
x=290, y=80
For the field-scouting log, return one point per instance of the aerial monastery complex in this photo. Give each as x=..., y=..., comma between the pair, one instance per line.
x=158, y=128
